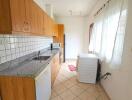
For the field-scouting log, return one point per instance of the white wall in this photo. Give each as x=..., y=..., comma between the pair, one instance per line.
x=128, y=51
x=48, y=8
x=119, y=85
x=41, y=3
x=74, y=30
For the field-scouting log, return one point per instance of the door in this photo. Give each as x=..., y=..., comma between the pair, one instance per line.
x=43, y=84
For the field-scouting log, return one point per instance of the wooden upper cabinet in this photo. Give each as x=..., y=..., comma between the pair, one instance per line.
x=15, y=16
x=34, y=19
x=46, y=25
x=21, y=15
x=60, y=37
x=55, y=30
x=28, y=19
x=40, y=22
x=25, y=17
x=18, y=15
x=5, y=19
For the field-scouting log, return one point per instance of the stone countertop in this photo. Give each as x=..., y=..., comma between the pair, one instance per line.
x=30, y=68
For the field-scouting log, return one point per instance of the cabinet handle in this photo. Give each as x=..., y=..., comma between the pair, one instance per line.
x=26, y=23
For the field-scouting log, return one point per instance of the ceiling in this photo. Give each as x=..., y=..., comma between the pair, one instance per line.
x=71, y=7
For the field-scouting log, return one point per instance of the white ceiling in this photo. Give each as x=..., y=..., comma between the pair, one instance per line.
x=71, y=7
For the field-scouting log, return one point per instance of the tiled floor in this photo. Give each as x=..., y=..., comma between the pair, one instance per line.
x=67, y=87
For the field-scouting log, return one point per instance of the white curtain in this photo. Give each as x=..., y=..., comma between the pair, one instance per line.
x=95, y=41
x=109, y=31
x=120, y=35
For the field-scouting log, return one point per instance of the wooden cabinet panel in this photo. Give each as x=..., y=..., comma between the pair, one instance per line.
x=26, y=17
x=18, y=15
x=55, y=67
x=5, y=19
x=40, y=21
x=60, y=37
x=17, y=88
x=45, y=24
x=21, y=15
x=27, y=88
x=49, y=26
x=34, y=18
x=55, y=30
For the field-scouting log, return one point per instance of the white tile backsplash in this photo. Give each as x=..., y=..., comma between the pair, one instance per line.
x=12, y=47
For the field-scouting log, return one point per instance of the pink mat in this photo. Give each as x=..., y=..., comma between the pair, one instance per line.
x=72, y=67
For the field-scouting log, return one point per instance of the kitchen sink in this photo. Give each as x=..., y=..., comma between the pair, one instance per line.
x=41, y=58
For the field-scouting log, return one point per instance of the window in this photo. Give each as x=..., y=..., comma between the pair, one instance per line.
x=109, y=31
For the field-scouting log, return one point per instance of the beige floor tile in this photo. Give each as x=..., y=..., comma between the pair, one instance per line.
x=92, y=90
x=84, y=85
x=76, y=98
x=67, y=87
x=61, y=78
x=74, y=80
x=76, y=90
x=57, y=82
x=53, y=94
x=59, y=89
x=69, y=83
x=56, y=98
x=87, y=96
x=67, y=95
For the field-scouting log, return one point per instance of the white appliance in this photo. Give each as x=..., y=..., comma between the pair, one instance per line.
x=87, y=68
x=43, y=84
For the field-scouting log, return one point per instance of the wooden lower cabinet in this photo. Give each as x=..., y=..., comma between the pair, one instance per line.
x=55, y=67
x=28, y=88
x=17, y=88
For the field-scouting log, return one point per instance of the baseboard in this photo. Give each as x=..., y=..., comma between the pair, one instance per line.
x=104, y=91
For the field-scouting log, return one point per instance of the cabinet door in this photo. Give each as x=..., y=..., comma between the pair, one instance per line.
x=46, y=24
x=53, y=71
x=17, y=88
x=17, y=14
x=28, y=9
x=55, y=30
x=43, y=84
x=50, y=27
x=55, y=67
x=40, y=21
x=5, y=21
x=34, y=19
